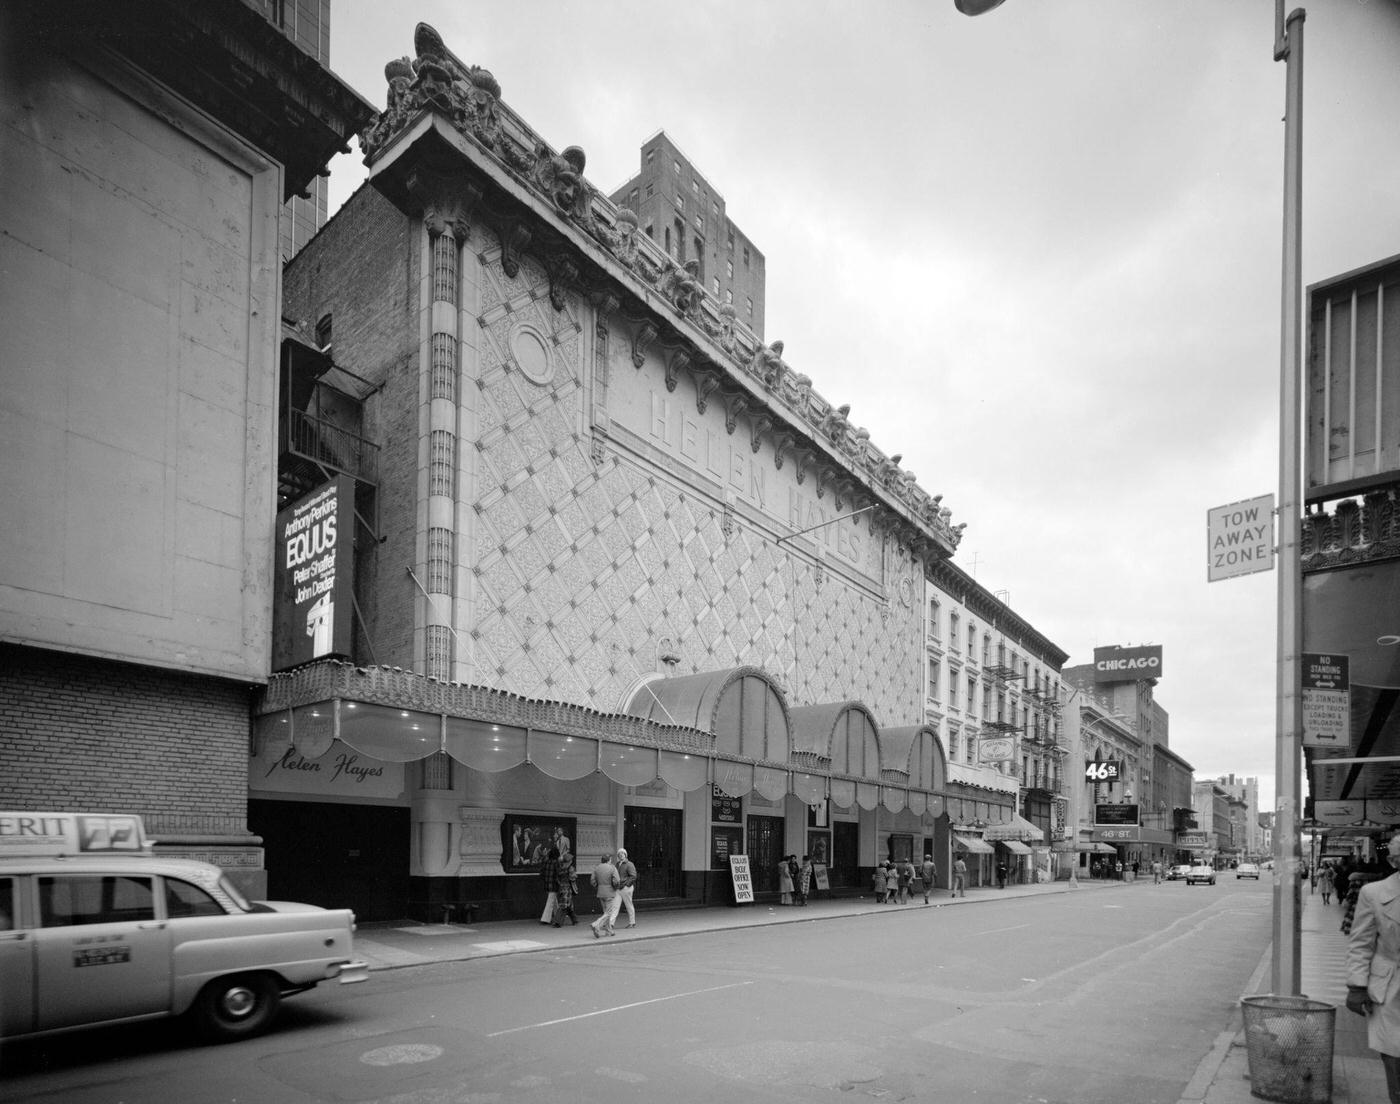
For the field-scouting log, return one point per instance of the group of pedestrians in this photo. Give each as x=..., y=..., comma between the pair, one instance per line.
x=794, y=880
x=614, y=882
x=893, y=883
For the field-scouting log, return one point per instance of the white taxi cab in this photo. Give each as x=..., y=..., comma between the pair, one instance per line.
x=95, y=928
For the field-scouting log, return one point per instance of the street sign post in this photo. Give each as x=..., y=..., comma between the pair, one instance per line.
x=1326, y=687
x=1240, y=538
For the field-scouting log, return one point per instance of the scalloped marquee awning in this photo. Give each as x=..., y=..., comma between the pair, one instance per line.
x=395, y=716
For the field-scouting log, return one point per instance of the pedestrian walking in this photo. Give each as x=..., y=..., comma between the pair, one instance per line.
x=605, y=883
x=1156, y=872
x=1001, y=873
x=891, y=882
x=879, y=882
x=565, y=887
x=927, y=873
x=784, y=881
x=1324, y=883
x=1373, y=967
x=960, y=878
x=906, y=881
x=804, y=879
x=549, y=874
x=627, y=882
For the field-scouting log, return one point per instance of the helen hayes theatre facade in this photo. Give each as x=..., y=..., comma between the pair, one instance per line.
x=619, y=576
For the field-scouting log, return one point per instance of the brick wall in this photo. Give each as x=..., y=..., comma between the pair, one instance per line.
x=362, y=269
x=95, y=735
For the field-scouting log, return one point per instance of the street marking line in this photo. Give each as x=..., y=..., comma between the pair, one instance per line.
x=618, y=1008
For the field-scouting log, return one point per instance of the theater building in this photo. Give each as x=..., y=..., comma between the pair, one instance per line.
x=619, y=575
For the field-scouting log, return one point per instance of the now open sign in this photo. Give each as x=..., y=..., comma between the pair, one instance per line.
x=1240, y=538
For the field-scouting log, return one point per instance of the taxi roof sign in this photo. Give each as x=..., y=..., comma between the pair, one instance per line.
x=31, y=834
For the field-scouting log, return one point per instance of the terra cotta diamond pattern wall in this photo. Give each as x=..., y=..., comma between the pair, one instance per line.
x=588, y=573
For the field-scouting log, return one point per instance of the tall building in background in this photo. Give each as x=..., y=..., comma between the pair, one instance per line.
x=1246, y=791
x=308, y=24
x=684, y=213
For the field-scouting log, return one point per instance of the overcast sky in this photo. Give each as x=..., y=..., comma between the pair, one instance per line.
x=1038, y=252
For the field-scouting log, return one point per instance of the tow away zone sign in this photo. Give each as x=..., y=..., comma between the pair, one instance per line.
x=1240, y=538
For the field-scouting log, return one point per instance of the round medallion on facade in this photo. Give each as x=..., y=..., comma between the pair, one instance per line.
x=530, y=352
x=906, y=591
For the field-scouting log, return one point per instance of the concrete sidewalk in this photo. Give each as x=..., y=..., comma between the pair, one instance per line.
x=1221, y=1078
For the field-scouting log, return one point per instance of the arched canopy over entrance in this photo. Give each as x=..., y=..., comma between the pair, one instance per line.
x=742, y=707
x=916, y=748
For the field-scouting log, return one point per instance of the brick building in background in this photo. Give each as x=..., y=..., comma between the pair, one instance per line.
x=150, y=148
x=680, y=210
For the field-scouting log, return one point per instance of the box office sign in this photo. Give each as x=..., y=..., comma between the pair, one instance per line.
x=314, y=576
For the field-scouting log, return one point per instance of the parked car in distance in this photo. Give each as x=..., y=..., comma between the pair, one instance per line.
x=1247, y=870
x=1176, y=873
x=1203, y=873
x=96, y=927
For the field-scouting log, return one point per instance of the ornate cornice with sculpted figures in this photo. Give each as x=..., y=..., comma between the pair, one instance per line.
x=469, y=97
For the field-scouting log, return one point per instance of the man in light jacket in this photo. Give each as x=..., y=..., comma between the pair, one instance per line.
x=1373, y=977
x=627, y=882
x=606, y=881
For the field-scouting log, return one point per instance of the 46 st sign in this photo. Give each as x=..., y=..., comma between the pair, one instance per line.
x=1103, y=770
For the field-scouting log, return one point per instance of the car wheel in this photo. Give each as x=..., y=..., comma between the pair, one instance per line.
x=236, y=1007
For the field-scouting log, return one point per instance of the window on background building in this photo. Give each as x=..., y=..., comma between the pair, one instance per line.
x=634, y=196
x=651, y=190
x=954, y=745
x=667, y=242
x=729, y=269
x=953, y=689
x=651, y=231
x=987, y=704
x=971, y=640
x=714, y=286
x=986, y=647
x=679, y=201
x=714, y=208
x=677, y=166
x=700, y=222
x=729, y=296
x=746, y=256
x=933, y=615
x=953, y=623
x=695, y=186
x=933, y=673
x=972, y=697
x=700, y=255
x=651, y=156
x=731, y=241
x=680, y=240
x=749, y=303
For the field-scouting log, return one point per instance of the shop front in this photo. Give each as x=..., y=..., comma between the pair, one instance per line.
x=416, y=798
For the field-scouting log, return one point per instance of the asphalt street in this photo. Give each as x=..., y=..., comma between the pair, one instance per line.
x=1109, y=994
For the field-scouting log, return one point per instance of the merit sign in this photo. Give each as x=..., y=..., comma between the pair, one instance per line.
x=1240, y=538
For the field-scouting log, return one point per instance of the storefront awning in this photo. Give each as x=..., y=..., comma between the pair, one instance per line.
x=972, y=845
x=1016, y=847
x=1105, y=849
x=1018, y=829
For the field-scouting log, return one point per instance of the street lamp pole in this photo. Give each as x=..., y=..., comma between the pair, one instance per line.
x=1286, y=977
